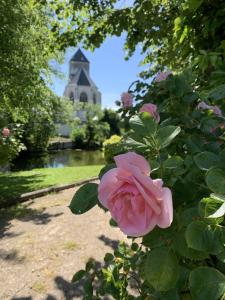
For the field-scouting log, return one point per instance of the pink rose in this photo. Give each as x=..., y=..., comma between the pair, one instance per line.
x=127, y=100
x=5, y=132
x=217, y=111
x=136, y=202
x=162, y=76
x=152, y=110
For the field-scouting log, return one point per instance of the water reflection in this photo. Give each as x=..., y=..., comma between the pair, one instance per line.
x=58, y=159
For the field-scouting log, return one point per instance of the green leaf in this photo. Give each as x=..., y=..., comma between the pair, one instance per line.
x=218, y=93
x=204, y=237
x=206, y=283
x=219, y=213
x=215, y=179
x=189, y=215
x=221, y=256
x=155, y=165
x=170, y=295
x=130, y=143
x=212, y=208
x=137, y=125
x=206, y=160
x=78, y=275
x=161, y=269
x=143, y=126
x=181, y=247
x=106, y=169
x=108, y=257
x=193, y=5
x=88, y=288
x=218, y=206
x=84, y=199
x=165, y=135
x=113, y=223
x=158, y=237
x=173, y=162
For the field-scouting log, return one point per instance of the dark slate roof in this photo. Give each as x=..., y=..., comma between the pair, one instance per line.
x=82, y=80
x=79, y=56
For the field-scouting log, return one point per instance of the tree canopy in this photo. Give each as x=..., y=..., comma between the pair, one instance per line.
x=171, y=33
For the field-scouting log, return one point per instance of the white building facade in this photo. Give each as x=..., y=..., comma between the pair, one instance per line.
x=80, y=88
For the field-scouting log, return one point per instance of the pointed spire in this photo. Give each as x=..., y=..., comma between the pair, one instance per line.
x=83, y=80
x=79, y=57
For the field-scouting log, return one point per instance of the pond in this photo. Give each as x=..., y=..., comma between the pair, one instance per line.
x=58, y=159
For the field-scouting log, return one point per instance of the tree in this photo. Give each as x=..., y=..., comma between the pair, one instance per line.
x=26, y=47
x=172, y=34
x=91, y=129
x=113, y=119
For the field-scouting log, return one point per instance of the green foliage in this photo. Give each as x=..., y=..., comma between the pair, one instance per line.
x=189, y=157
x=208, y=283
x=89, y=192
x=91, y=131
x=113, y=119
x=185, y=149
x=27, y=45
x=161, y=269
x=78, y=136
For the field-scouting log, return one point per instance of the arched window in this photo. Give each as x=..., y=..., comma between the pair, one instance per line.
x=72, y=97
x=94, y=99
x=83, y=97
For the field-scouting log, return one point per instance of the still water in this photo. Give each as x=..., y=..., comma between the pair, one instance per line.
x=58, y=159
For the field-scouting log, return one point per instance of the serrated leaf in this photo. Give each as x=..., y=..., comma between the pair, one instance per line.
x=208, y=208
x=215, y=179
x=204, y=237
x=161, y=269
x=181, y=247
x=206, y=283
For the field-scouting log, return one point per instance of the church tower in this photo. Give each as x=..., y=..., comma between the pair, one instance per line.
x=81, y=88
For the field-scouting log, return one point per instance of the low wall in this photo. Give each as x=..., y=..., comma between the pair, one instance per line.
x=60, y=145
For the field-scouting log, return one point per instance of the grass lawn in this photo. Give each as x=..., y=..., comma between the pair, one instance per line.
x=14, y=184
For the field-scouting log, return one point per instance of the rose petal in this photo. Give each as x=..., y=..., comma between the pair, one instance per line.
x=131, y=158
x=165, y=219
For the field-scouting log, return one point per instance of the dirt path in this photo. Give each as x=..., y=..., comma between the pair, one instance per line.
x=40, y=251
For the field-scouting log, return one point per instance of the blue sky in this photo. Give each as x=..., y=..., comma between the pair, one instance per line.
x=108, y=68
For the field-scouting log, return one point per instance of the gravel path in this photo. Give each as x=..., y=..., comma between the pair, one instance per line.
x=40, y=252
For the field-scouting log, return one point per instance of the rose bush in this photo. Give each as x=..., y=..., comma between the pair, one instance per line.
x=180, y=251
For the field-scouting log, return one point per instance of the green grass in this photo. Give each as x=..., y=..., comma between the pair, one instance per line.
x=14, y=184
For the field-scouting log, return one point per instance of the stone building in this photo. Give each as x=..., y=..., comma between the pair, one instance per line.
x=80, y=87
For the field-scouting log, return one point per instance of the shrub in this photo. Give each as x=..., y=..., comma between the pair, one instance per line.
x=111, y=147
x=10, y=144
x=78, y=136
x=180, y=250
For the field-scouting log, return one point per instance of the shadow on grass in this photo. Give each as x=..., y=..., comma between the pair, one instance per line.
x=13, y=185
